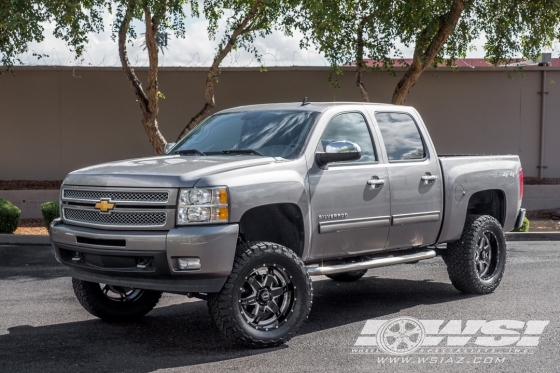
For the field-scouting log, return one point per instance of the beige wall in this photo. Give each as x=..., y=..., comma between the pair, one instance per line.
x=55, y=120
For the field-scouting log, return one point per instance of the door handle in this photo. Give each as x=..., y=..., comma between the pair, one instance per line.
x=428, y=178
x=376, y=182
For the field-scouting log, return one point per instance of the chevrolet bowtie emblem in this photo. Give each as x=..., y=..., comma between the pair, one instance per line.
x=104, y=206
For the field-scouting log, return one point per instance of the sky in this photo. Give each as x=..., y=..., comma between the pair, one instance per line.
x=194, y=50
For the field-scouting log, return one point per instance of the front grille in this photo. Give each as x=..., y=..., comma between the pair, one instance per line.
x=96, y=195
x=116, y=218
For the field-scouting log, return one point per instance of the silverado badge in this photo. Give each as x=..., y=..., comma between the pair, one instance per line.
x=104, y=206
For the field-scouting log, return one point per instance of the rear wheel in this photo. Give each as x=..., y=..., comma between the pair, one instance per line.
x=476, y=262
x=114, y=303
x=265, y=298
x=348, y=276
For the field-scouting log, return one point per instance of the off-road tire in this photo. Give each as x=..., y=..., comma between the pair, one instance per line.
x=349, y=276
x=226, y=306
x=91, y=297
x=461, y=256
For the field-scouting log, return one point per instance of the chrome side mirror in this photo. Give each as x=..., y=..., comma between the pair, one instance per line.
x=168, y=147
x=339, y=151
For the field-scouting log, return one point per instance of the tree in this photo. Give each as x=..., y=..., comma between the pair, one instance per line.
x=439, y=31
x=437, y=20
x=156, y=15
x=20, y=24
x=348, y=32
x=248, y=19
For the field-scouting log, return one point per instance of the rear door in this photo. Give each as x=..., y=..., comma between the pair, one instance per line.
x=350, y=216
x=416, y=181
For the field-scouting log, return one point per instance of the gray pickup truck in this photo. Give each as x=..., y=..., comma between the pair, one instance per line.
x=256, y=199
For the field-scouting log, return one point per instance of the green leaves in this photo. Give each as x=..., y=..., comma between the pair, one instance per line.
x=20, y=24
x=439, y=31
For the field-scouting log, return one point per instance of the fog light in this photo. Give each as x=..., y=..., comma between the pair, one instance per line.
x=188, y=263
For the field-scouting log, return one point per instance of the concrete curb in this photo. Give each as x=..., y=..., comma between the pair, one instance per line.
x=533, y=236
x=20, y=239
x=24, y=239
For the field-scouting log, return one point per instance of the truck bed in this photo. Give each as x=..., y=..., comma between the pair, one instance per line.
x=464, y=175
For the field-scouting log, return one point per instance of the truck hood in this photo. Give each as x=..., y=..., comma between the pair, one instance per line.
x=163, y=171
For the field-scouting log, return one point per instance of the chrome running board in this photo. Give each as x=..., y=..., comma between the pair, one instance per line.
x=373, y=263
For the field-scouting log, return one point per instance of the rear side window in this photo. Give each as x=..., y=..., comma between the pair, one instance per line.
x=401, y=136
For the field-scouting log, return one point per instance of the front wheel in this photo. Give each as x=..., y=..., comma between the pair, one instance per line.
x=476, y=262
x=265, y=298
x=114, y=303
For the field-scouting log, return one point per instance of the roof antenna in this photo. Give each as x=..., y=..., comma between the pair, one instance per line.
x=305, y=102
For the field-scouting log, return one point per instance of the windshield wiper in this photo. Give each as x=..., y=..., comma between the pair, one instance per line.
x=189, y=151
x=242, y=151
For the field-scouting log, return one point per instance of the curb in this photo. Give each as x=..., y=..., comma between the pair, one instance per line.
x=24, y=239
x=533, y=236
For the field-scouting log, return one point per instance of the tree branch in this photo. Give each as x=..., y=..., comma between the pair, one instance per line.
x=425, y=56
x=127, y=68
x=360, y=65
x=213, y=72
x=148, y=102
x=151, y=45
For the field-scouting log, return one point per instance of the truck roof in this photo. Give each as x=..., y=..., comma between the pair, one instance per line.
x=311, y=106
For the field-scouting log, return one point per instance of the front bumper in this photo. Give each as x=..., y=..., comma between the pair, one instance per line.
x=148, y=259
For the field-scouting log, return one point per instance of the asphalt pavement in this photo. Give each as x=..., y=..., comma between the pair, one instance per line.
x=44, y=329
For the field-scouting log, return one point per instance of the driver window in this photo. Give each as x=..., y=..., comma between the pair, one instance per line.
x=349, y=127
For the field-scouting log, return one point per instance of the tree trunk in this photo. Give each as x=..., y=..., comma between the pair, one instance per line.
x=360, y=56
x=148, y=102
x=423, y=58
x=214, y=70
x=360, y=85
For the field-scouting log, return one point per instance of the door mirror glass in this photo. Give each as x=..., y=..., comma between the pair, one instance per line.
x=168, y=147
x=339, y=151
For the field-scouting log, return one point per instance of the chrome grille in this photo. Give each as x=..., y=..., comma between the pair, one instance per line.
x=116, y=218
x=115, y=196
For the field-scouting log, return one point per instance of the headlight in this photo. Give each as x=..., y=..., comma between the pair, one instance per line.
x=203, y=205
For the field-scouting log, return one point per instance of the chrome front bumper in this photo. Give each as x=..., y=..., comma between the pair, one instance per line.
x=148, y=259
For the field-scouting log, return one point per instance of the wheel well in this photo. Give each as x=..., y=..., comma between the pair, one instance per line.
x=281, y=223
x=488, y=202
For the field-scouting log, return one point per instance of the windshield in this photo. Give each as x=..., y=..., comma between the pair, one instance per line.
x=279, y=133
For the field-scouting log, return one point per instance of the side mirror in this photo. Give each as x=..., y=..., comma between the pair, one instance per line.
x=168, y=147
x=339, y=151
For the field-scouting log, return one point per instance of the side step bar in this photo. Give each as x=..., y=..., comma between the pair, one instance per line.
x=373, y=263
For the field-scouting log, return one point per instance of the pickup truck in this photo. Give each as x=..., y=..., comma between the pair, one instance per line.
x=256, y=199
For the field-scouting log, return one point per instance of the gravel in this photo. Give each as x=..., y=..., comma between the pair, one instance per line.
x=539, y=181
x=30, y=184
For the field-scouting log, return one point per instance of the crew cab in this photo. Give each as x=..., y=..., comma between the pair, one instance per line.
x=256, y=199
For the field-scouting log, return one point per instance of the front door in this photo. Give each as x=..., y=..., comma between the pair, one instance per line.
x=350, y=201
x=416, y=182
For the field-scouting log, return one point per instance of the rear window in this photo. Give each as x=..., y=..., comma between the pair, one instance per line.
x=401, y=136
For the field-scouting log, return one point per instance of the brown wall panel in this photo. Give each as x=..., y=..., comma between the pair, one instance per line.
x=54, y=120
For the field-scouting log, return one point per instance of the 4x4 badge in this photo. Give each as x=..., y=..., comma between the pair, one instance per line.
x=104, y=206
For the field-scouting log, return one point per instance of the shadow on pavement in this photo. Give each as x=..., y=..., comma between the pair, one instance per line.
x=184, y=335
x=29, y=262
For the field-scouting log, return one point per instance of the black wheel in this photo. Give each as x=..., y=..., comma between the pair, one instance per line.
x=114, y=303
x=476, y=262
x=265, y=298
x=348, y=276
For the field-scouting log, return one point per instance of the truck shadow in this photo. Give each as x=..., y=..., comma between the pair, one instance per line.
x=27, y=261
x=183, y=335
